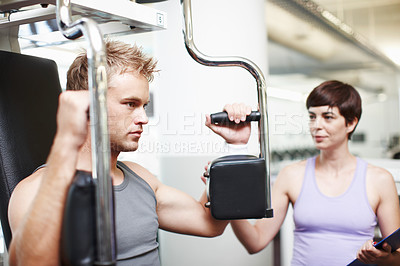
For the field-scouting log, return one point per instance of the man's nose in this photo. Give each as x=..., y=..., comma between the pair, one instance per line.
x=141, y=117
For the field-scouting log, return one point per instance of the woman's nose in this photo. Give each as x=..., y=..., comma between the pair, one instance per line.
x=316, y=123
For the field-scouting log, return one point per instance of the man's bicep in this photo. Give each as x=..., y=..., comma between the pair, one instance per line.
x=177, y=211
x=171, y=200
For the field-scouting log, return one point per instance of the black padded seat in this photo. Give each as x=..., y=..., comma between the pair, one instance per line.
x=29, y=90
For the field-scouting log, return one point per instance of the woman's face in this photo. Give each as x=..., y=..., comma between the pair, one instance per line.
x=328, y=127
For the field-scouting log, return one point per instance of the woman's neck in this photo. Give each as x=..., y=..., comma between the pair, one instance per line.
x=338, y=159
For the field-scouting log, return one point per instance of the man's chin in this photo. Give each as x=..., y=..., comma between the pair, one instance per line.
x=125, y=148
x=130, y=149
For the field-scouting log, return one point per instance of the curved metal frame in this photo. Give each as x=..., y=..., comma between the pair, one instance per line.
x=254, y=71
x=97, y=83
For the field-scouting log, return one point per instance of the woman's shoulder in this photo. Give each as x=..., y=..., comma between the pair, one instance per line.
x=295, y=166
x=293, y=170
x=290, y=179
x=378, y=174
x=379, y=179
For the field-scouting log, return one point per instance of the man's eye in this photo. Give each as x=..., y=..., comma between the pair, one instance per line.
x=312, y=117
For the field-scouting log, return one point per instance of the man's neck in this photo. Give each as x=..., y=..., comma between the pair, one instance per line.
x=85, y=159
x=85, y=162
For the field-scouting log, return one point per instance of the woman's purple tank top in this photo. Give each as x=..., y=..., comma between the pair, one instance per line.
x=330, y=230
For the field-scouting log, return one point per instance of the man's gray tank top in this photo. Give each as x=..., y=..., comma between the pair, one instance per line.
x=136, y=221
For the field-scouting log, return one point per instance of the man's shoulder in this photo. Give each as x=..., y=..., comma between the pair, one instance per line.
x=22, y=197
x=143, y=173
x=135, y=167
x=30, y=183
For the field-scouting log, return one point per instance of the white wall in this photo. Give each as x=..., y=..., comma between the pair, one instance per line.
x=188, y=90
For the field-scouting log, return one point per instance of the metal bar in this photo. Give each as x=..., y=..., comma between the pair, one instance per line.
x=139, y=17
x=240, y=62
x=97, y=82
x=8, y=5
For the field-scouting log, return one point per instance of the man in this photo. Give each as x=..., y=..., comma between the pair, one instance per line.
x=143, y=203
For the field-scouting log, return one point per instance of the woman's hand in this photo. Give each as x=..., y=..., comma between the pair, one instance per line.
x=370, y=255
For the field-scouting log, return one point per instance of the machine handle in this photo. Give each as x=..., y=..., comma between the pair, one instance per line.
x=222, y=117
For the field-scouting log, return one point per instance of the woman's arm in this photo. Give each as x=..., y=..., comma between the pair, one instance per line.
x=388, y=214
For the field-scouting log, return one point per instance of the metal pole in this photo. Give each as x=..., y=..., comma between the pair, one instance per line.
x=97, y=83
x=254, y=71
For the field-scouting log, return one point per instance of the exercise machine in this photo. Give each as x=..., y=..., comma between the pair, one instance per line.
x=238, y=186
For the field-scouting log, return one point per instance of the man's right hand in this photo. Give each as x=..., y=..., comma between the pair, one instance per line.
x=239, y=131
x=73, y=117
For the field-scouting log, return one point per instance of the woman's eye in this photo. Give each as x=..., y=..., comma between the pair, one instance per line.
x=130, y=104
x=312, y=117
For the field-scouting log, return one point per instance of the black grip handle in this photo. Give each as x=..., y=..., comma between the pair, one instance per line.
x=222, y=117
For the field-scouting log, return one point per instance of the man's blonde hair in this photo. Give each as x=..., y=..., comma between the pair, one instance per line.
x=121, y=58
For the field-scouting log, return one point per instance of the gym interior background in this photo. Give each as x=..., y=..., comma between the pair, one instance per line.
x=297, y=44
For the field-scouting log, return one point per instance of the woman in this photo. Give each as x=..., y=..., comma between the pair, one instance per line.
x=337, y=198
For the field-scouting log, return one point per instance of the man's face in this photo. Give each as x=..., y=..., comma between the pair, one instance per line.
x=127, y=98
